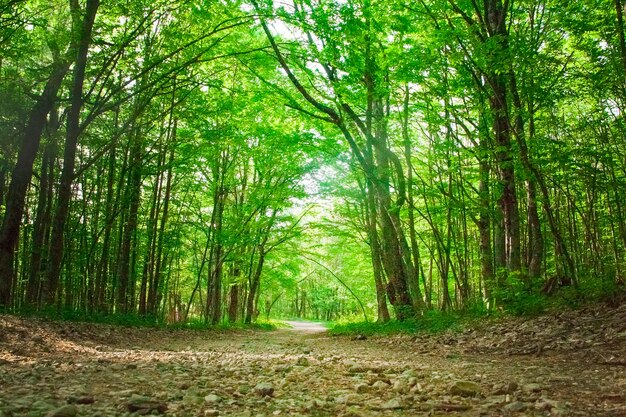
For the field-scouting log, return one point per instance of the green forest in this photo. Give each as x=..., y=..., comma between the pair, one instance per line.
x=235, y=161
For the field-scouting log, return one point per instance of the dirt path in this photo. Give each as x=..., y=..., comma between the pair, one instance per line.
x=89, y=370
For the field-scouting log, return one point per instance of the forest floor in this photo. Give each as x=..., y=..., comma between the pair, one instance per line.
x=564, y=364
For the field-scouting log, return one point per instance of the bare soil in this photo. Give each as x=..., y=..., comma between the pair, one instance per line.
x=566, y=364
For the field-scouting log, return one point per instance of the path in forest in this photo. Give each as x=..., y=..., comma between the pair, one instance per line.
x=96, y=370
x=305, y=326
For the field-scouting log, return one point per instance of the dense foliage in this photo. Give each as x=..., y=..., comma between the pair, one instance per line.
x=222, y=160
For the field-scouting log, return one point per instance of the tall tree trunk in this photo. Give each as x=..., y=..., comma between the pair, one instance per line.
x=131, y=200
x=214, y=281
x=537, y=175
x=41, y=225
x=149, y=256
x=484, y=223
x=415, y=251
x=154, y=294
x=102, y=273
x=233, y=305
x=21, y=176
x=254, y=286
x=495, y=16
x=372, y=233
x=71, y=143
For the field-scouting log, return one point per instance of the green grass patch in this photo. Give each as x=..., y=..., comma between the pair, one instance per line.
x=136, y=320
x=430, y=322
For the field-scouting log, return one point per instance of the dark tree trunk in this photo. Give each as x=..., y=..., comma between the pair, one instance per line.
x=69, y=155
x=102, y=273
x=131, y=200
x=254, y=287
x=21, y=176
x=233, y=305
x=155, y=286
x=149, y=256
x=379, y=281
x=41, y=225
x=415, y=251
x=495, y=16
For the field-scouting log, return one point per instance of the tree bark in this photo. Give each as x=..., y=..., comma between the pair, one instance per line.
x=131, y=200
x=71, y=142
x=41, y=225
x=21, y=176
x=254, y=286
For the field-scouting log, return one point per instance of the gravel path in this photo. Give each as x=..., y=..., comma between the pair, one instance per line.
x=65, y=369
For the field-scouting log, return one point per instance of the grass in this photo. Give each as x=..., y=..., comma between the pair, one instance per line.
x=136, y=320
x=431, y=322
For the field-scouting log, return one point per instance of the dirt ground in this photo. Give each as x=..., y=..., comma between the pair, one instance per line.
x=566, y=364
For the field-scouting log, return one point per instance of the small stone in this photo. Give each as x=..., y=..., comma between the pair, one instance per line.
x=212, y=399
x=465, y=389
x=349, y=399
x=192, y=399
x=559, y=412
x=409, y=373
x=211, y=412
x=264, y=389
x=143, y=405
x=360, y=337
x=361, y=388
x=350, y=363
x=544, y=404
x=81, y=399
x=380, y=385
x=393, y=404
x=528, y=388
x=65, y=411
x=401, y=386
x=507, y=388
x=515, y=407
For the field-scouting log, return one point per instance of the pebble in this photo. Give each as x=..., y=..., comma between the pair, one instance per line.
x=264, y=389
x=380, y=385
x=350, y=399
x=212, y=399
x=528, y=388
x=393, y=404
x=465, y=389
x=361, y=388
x=515, y=406
x=144, y=405
x=81, y=399
x=401, y=386
x=507, y=388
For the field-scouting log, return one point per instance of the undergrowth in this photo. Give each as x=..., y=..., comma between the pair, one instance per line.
x=430, y=322
x=136, y=320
